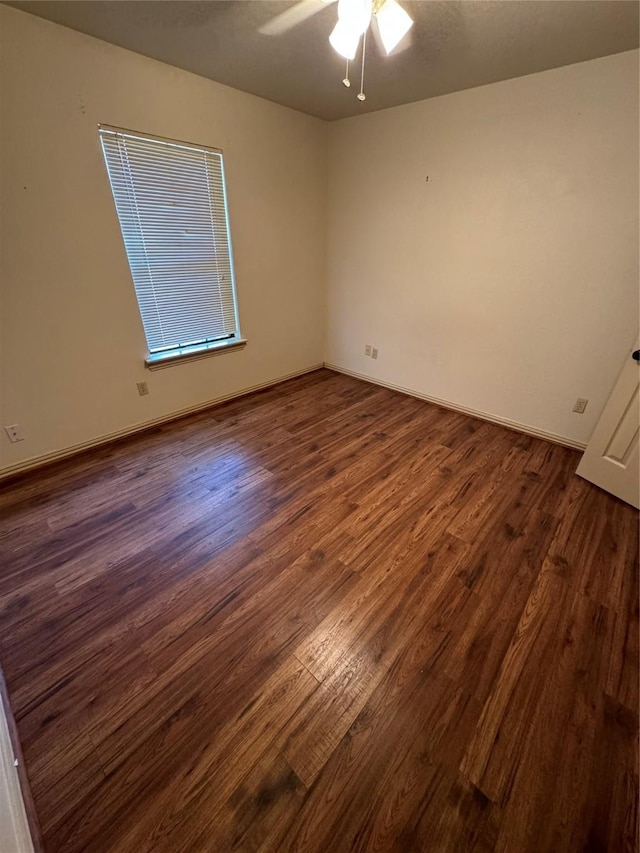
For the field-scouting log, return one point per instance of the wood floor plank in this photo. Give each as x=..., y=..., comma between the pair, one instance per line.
x=391, y=756
x=493, y=755
x=226, y=662
x=560, y=744
x=452, y=815
x=244, y=742
x=501, y=568
x=381, y=590
x=323, y=617
x=319, y=725
x=257, y=815
x=611, y=813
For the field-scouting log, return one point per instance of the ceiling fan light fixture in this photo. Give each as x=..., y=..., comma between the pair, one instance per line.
x=393, y=24
x=344, y=40
x=355, y=14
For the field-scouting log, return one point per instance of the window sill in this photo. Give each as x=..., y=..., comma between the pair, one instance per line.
x=162, y=359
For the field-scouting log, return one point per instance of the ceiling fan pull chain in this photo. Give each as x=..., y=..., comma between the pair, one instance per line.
x=346, y=82
x=361, y=95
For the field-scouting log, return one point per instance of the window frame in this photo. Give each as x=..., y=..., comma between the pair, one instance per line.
x=202, y=347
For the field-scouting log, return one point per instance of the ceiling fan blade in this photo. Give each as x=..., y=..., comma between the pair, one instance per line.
x=292, y=17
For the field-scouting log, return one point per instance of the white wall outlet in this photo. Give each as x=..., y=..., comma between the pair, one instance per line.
x=374, y=352
x=143, y=389
x=580, y=405
x=367, y=349
x=14, y=432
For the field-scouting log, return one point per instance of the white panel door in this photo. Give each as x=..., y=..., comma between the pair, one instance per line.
x=612, y=457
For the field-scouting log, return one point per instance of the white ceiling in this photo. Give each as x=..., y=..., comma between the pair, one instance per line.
x=454, y=45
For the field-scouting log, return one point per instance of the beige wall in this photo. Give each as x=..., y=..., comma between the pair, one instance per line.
x=72, y=344
x=507, y=283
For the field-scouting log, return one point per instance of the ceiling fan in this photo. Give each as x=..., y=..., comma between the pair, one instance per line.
x=389, y=22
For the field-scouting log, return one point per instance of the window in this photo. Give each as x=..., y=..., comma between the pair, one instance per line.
x=171, y=203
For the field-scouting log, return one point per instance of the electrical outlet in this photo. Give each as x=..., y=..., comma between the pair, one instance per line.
x=367, y=349
x=580, y=405
x=374, y=352
x=143, y=389
x=14, y=432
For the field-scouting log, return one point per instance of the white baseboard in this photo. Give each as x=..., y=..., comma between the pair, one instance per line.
x=446, y=404
x=45, y=459
x=38, y=461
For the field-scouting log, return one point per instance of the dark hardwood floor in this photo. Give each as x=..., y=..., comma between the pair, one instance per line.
x=326, y=617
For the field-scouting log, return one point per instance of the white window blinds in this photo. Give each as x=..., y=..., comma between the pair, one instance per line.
x=170, y=200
